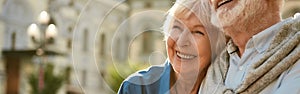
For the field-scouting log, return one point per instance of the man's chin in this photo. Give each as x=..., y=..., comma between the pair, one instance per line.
x=228, y=17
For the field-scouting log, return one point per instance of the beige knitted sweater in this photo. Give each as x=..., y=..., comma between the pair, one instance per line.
x=283, y=52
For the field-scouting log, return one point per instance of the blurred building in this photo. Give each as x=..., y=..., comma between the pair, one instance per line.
x=146, y=39
x=290, y=8
x=90, y=35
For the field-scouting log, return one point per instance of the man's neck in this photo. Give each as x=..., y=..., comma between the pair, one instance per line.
x=243, y=34
x=240, y=40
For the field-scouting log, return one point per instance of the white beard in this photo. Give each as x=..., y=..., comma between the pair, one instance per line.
x=230, y=17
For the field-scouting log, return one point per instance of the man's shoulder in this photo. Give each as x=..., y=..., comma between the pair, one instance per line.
x=294, y=23
x=287, y=29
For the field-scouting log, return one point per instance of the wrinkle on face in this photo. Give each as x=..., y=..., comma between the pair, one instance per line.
x=239, y=14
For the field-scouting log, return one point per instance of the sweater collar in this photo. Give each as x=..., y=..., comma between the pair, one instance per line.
x=261, y=41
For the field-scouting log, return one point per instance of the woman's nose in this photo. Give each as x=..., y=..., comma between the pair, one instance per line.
x=184, y=39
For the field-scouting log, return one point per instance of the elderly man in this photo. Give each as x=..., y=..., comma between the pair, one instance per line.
x=262, y=54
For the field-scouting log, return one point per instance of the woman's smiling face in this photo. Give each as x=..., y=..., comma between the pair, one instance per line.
x=188, y=45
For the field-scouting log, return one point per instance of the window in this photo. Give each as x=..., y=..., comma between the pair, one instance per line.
x=148, y=4
x=102, y=44
x=84, y=77
x=85, y=40
x=69, y=43
x=70, y=29
x=147, y=42
x=71, y=3
x=13, y=41
x=118, y=49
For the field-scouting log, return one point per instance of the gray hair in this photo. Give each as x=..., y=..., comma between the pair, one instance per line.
x=202, y=10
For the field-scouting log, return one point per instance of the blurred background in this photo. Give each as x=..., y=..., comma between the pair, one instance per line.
x=81, y=46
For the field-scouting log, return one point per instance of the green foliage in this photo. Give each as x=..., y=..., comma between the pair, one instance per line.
x=33, y=81
x=114, y=79
x=118, y=72
x=52, y=82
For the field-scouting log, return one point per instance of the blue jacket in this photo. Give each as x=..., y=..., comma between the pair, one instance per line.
x=154, y=80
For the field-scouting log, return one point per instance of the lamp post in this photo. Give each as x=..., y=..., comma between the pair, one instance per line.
x=42, y=34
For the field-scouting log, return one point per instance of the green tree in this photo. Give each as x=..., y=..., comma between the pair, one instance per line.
x=116, y=73
x=52, y=82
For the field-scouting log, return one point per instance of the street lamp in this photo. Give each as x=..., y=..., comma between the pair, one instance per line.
x=47, y=32
x=41, y=34
x=44, y=17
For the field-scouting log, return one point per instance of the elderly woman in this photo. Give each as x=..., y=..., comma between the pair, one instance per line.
x=192, y=43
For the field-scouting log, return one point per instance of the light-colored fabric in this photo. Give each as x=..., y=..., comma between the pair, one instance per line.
x=269, y=64
x=255, y=49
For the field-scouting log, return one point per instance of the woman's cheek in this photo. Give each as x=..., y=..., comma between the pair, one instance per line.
x=170, y=48
x=170, y=42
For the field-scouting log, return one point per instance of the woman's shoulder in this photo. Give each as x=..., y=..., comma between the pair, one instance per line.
x=149, y=75
x=147, y=80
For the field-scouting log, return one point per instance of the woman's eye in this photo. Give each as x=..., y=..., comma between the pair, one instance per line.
x=176, y=29
x=198, y=32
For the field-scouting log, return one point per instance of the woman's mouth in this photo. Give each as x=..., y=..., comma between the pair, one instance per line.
x=184, y=56
x=223, y=2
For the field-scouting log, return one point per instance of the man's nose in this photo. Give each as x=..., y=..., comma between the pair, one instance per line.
x=184, y=39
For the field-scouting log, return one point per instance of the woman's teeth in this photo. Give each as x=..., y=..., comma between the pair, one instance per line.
x=185, y=56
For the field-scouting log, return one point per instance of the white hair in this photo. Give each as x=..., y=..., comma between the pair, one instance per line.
x=202, y=11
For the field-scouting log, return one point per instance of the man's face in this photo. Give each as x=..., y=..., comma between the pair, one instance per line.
x=230, y=13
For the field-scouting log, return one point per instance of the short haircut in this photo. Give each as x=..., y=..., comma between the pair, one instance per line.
x=202, y=11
